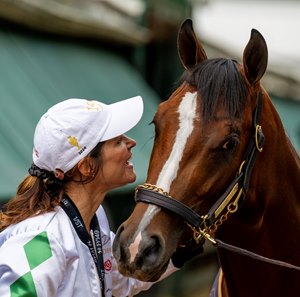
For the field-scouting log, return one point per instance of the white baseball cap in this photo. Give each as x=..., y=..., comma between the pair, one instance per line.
x=69, y=130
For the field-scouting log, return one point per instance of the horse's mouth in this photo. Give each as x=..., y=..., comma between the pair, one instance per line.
x=145, y=274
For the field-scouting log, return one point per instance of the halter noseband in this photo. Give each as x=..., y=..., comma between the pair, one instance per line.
x=203, y=226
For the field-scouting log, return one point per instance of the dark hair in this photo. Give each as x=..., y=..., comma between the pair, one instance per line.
x=36, y=195
x=218, y=81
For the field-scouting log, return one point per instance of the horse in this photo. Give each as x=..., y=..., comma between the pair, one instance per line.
x=222, y=168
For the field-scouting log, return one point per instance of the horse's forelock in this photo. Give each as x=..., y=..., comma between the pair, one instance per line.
x=218, y=81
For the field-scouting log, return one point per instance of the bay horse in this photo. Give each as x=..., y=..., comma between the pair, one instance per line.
x=221, y=168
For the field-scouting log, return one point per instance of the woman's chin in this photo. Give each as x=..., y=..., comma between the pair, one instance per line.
x=132, y=178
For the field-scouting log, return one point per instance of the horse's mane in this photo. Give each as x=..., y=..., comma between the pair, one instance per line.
x=218, y=81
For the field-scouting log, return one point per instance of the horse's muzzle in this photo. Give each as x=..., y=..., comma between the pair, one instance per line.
x=141, y=258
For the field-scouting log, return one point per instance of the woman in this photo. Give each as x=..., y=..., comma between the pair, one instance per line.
x=53, y=243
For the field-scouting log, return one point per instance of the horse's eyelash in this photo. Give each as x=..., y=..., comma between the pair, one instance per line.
x=234, y=140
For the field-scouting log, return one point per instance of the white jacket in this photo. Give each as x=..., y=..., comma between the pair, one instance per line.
x=43, y=257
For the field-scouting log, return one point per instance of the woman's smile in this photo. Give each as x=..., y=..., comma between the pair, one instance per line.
x=118, y=168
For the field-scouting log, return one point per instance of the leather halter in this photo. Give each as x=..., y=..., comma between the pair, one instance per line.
x=204, y=225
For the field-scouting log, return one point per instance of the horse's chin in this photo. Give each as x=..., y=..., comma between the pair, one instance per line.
x=145, y=275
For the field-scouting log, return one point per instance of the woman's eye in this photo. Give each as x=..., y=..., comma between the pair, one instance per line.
x=119, y=140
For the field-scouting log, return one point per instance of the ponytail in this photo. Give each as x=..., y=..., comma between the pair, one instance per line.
x=34, y=196
x=41, y=191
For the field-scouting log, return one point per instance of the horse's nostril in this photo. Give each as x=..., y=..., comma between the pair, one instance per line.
x=154, y=246
x=144, y=253
x=151, y=253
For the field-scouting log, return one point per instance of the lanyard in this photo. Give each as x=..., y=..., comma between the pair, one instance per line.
x=71, y=210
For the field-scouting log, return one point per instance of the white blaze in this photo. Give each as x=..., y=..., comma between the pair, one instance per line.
x=148, y=215
x=187, y=112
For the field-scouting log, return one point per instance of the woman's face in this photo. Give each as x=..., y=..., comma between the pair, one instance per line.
x=116, y=169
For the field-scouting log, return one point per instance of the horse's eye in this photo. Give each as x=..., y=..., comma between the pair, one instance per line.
x=230, y=144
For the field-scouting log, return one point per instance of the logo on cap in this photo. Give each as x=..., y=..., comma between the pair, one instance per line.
x=74, y=142
x=94, y=105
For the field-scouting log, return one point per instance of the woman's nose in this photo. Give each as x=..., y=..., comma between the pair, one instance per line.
x=130, y=142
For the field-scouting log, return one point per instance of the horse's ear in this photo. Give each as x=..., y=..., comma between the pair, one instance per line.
x=189, y=49
x=255, y=57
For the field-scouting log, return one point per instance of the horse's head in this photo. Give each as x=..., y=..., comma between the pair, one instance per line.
x=201, y=135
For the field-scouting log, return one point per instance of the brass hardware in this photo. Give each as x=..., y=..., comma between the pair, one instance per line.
x=199, y=233
x=207, y=231
x=241, y=166
x=153, y=188
x=226, y=200
x=258, y=127
x=207, y=236
x=232, y=207
x=235, y=202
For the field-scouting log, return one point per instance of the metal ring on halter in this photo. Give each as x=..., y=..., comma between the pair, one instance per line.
x=258, y=130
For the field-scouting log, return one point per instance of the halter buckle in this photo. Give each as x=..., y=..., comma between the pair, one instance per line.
x=199, y=235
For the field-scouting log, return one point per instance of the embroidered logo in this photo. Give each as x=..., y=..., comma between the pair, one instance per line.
x=107, y=265
x=74, y=142
x=94, y=105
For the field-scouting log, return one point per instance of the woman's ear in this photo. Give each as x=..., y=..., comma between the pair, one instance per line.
x=85, y=167
x=59, y=174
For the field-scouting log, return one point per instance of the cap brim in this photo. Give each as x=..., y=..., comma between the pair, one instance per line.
x=125, y=115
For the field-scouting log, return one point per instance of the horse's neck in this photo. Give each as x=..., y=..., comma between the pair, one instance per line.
x=277, y=174
x=273, y=199
x=279, y=159
x=284, y=161
x=293, y=152
x=267, y=224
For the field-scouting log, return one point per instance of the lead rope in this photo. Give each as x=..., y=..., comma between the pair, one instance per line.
x=220, y=244
x=200, y=234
